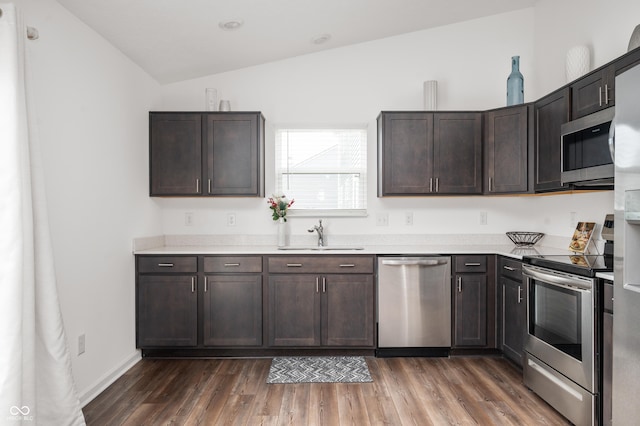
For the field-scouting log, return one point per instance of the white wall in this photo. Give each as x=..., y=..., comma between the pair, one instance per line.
x=604, y=26
x=92, y=106
x=471, y=62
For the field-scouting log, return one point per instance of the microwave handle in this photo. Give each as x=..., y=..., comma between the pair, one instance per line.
x=612, y=139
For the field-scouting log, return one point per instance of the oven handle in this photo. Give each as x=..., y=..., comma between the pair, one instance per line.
x=557, y=280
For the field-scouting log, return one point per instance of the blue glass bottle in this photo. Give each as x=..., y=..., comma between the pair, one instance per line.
x=515, y=83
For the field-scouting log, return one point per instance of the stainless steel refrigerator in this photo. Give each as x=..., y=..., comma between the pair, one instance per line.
x=626, y=317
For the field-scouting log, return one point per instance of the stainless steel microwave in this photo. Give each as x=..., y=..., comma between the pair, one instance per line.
x=587, y=150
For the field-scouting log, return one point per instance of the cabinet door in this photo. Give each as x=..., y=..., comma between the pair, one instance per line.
x=592, y=92
x=234, y=154
x=405, y=153
x=347, y=310
x=232, y=310
x=457, y=153
x=513, y=319
x=506, y=150
x=551, y=113
x=470, y=310
x=167, y=311
x=294, y=310
x=175, y=146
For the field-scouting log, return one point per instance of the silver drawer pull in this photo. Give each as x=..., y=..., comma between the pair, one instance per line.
x=231, y=264
x=472, y=264
x=508, y=268
x=347, y=265
x=165, y=265
x=294, y=265
x=193, y=284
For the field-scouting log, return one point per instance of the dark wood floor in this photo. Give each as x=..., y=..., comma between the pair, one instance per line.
x=405, y=391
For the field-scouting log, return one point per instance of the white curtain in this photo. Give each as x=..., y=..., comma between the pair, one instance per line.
x=36, y=384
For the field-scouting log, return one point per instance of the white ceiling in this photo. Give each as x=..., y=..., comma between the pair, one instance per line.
x=176, y=40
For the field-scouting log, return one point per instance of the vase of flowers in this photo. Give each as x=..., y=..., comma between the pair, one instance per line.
x=279, y=206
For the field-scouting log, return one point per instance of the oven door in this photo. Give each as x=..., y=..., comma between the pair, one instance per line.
x=560, y=323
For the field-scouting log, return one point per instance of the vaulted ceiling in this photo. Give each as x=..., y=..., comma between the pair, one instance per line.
x=179, y=40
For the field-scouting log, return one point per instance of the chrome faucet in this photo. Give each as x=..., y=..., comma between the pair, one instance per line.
x=320, y=231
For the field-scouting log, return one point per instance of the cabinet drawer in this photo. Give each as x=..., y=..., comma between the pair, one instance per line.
x=233, y=264
x=168, y=264
x=321, y=264
x=510, y=268
x=471, y=263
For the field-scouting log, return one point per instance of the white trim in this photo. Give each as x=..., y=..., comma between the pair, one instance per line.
x=327, y=213
x=109, y=378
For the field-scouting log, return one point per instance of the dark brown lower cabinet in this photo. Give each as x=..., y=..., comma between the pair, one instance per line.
x=321, y=310
x=348, y=310
x=474, y=302
x=471, y=310
x=513, y=308
x=514, y=316
x=167, y=311
x=232, y=314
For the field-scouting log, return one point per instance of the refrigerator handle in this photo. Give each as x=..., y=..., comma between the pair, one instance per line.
x=612, y=139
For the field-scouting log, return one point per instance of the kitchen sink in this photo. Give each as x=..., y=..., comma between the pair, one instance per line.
x=320, y=248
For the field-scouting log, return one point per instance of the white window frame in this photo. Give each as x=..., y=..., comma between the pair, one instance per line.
x=294, y=211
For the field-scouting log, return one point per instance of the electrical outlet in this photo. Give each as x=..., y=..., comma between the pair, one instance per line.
x=573, y=219
x=382, y=219
x=483, y=218
x=408, y=218
x=188, y=219
x=231, y=219
x=81, y=344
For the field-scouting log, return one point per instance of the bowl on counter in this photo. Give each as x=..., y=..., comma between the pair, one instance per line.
x=524, y=239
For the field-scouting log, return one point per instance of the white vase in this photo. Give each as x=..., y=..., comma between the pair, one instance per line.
x=578, y=62
x=634, y=41
x=430, y=95
x=282, y=232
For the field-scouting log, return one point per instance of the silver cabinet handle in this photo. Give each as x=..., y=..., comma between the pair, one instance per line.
x=294, y=265
x=197, y=185
x=606, y=94
x=600, y=95
x=193, y=284
x=231, y=264
x=347, y=265
x=472, y=264
x=209, y=185
x=206, y=284
x=508, y=268
x=430, y=184
x=324, y=284
x=437, y=184
x=519, y=294
x=317, y=285
x=490, y=184
x=459, y=284
x=165, y=265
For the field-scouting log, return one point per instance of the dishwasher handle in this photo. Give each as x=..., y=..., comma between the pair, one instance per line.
x=417, y=262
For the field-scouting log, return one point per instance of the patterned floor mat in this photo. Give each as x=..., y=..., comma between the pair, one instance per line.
x=326, y=369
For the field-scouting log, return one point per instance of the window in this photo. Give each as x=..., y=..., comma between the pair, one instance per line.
x=324, y=170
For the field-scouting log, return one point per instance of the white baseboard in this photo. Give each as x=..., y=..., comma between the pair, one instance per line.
x=108, y=379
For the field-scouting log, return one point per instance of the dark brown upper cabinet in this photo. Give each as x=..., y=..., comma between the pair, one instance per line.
x=206, y=154
x=596, y=90
x=424, y=153
x=551, y=112
x=507, y=132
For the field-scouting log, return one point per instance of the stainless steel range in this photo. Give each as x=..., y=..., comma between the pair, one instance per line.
x=562, y=356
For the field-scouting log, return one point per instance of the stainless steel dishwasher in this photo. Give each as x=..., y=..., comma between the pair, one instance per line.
x=414, y=306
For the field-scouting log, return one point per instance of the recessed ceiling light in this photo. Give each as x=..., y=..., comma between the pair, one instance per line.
x=231, y=24
x=321, y=39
